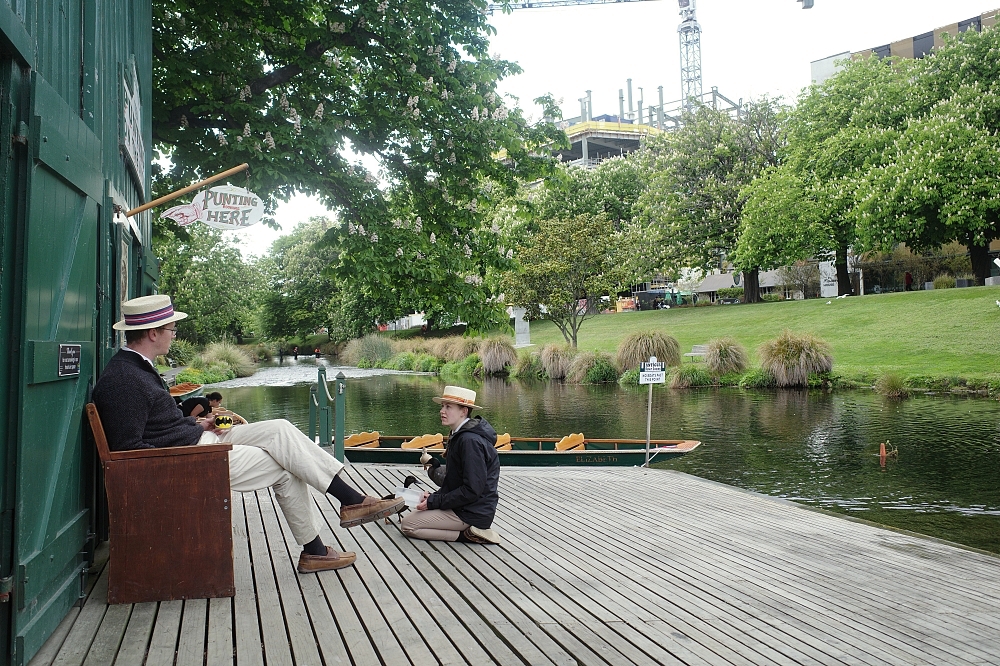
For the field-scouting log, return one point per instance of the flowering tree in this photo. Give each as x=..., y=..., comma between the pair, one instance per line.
x=304, y=89
x=694, y=204
x=807, y=206
x=939, y=181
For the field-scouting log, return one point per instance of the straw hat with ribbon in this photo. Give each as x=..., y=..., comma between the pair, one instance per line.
x=149, y=312
x=457, y=395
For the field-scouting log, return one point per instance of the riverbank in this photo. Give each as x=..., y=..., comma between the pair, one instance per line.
x=934, y=339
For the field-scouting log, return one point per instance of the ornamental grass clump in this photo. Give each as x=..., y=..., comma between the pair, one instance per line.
x=791, y=358
x=368, y=352
x=455, y=348
x=892, y=386
x=529, y=366
x=725, y=356
x=556, y=360
x=638, y=347
x=402, y=361
x=592, y=368
x=497, y=354
x=239, y=361
x=690, y=376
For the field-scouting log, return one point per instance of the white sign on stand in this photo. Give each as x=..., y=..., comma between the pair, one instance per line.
x=651, y=373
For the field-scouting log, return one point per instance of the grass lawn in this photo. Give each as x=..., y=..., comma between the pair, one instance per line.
x=939, y=333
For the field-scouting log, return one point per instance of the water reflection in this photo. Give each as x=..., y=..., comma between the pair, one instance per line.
x=816, y=448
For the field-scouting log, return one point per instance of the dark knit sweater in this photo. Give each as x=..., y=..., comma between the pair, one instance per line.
x=137, y=412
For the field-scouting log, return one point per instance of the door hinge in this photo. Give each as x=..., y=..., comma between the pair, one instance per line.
x=6, y=588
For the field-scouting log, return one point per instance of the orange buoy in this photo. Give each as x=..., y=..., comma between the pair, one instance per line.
x=881, y=454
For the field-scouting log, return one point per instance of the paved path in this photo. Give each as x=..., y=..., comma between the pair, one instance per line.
x=598, y=566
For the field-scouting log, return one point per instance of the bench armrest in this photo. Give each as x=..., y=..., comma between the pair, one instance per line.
x=166, y=451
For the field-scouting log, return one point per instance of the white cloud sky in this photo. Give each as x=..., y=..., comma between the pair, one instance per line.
x=749, y=48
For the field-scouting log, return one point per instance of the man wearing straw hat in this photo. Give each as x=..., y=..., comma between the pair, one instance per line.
x=138, y=412
x=464, y=506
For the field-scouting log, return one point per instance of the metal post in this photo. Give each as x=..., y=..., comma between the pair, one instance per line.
x=659, y=111
x=649, y=419
x=621, y=105
x=340, y=399
x=640, y=111
x=583, y=147
x=323, y=393
x=629, y=99
x=313, y=403
x=590, y=106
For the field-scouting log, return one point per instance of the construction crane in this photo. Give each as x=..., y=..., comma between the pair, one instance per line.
x=689, y=33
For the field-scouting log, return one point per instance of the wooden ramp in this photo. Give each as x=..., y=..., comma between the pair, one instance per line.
x=598, y=566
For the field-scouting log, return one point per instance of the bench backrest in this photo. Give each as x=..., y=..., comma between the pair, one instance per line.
x=503, y=442
x=699, y=349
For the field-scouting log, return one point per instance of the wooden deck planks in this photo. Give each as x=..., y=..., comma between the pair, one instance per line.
x=598, y=566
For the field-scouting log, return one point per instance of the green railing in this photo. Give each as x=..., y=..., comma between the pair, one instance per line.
x=326, y=412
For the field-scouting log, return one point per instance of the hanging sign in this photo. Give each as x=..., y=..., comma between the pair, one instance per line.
x=652, y=373
x=223, y=207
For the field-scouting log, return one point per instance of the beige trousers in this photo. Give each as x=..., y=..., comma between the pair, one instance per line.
x=276, y=454
x=433, y=525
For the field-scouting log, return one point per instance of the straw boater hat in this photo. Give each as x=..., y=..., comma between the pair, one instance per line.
x=149, y=312
x=457, y=395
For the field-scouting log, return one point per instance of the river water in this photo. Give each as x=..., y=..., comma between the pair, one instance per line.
x=819, y=449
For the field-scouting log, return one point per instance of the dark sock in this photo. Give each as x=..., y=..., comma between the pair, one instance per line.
x=344, y=493
x=315, y=547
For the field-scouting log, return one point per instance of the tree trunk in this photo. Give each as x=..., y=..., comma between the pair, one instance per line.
x=751, y=286
x=980, y=257
x=844, y=286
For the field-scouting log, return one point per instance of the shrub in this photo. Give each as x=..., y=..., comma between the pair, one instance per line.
x=592, y=368
x=756, y=379
x=456, y=348
x=730, y=292
x=639, y=346
x=372, y=349
x=403, y=361
x=791, y=358
x=629, y=378
x=771, y=298
x=892, y=386
x=182, y=351
x=944, y=282
x=260, y=351
x=690, y=376
x=603, y=370
x=211, y=374
x=226, y=353
x=529, y=366
x=731, y=379
x=556, y=360
x=497, y=354
x=470, y=365
x=725, y=356
x=427, y=363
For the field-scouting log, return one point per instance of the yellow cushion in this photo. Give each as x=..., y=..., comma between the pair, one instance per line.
x=503, y=442
x=365, y=440
x=570, y=442
x=425, y=441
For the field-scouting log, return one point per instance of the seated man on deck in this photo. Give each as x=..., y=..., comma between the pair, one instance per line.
x=138, y=413
x=464, y=507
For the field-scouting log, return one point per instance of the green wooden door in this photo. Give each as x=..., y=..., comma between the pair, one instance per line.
x=62, y=213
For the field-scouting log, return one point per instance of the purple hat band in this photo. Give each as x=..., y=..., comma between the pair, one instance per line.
x=149, y=317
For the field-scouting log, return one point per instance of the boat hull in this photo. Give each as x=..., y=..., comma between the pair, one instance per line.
x=606, y=456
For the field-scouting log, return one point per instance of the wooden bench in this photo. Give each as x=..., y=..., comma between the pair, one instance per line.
x=434, y=441
x=697, y=351
x=170, y=520
x=503, y=442
x=570, y=442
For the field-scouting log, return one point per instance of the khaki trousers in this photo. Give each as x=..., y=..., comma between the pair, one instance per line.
x=433, y=525
x=275, y=454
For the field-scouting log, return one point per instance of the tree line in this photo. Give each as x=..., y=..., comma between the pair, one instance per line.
x=885, y=152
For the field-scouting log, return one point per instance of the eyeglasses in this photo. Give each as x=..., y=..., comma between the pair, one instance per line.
x=173, y=331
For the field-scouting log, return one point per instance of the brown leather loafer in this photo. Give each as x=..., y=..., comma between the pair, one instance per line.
x=371, y=509
x=334, y=559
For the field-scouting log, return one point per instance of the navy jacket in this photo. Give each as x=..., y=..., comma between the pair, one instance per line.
x=136, y=410
x=471, y=475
